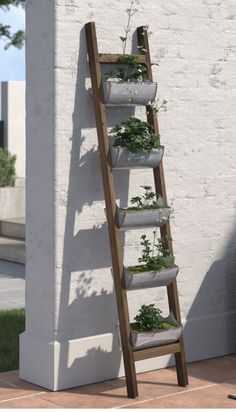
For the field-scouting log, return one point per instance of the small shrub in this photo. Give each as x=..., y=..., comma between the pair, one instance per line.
x=12, y=324
x=149, y=319
x=136, y=135
x=133, y=71
x=155, y=255
x=149, y=200
x=7, y=168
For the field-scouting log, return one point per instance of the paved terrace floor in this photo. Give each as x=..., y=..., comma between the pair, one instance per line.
x=12, y=285
x=211, y=381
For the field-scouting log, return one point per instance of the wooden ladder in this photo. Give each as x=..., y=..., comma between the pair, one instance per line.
x=129, y=355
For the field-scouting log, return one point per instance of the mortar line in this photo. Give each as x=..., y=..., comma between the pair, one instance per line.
x=22, y=397
x=9, y=383
x=232, y=358
x=169, y=395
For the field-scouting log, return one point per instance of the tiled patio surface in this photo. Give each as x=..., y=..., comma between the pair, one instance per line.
x=211, y=381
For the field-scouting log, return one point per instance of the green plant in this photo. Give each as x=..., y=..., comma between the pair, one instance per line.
x=130, y=11
x=147, y=201
x=12, y=324
x=155, y=255
x=159, y=105
x=14, y=39
x=7, y=168
x=135, y=135
x=149, y=319
x=133, y=70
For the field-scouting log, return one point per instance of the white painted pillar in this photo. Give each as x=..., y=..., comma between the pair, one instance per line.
x=71, y=316
x=13, y=115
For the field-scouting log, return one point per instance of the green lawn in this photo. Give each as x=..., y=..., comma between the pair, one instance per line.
x=12, y=323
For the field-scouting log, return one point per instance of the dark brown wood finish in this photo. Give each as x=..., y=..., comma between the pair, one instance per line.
x=158, y=351
x=142, y=33
x=109, y=192
x=115, y=58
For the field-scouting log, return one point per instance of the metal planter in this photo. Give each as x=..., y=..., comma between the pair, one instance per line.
x=122, y=159
x=157, y=217
x=128, y=93
x=144, y=340
x=150, y=279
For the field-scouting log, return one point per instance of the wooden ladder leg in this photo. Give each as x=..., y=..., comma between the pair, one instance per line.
x=110, y=199
x=131, y=382
x=181, y=367
x=159, y=180
x=129, y=365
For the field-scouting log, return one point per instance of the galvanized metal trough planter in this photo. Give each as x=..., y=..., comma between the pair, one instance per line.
x=157, y=217
x=149, y=279
x=119, y=93
x=122, y=159
x=144, y=340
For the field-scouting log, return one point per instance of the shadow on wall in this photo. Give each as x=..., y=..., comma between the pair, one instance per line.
x=81, y=308
x=210, y=327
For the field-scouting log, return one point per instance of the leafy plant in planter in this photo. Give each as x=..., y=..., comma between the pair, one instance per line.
x=134, y=71
x=7, y=168
x=135, y=135
x=146, y=210
x=150, y=319
x=155, y=255
x=128, y=84
x=147, y=201
x=158, y=268
x=151, y=329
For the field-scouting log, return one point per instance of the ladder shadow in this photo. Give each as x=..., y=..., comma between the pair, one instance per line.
x=86, y=246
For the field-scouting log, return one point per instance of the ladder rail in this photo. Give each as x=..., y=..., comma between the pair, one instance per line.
x=159, y=179
x=110, y=200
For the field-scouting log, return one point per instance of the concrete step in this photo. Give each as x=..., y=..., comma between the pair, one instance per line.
x=13, y=228
x=12, y=250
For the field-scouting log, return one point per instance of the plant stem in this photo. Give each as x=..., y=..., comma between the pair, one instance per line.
x=128, y=26
x=153, y=243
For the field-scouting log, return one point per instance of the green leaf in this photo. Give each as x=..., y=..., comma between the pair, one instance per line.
x=7, y=168
x=16, y=39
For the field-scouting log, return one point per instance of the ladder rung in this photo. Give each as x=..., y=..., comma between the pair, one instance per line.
x=157, y=351
x=114, y=58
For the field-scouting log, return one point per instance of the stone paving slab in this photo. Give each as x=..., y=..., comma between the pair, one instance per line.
x=12, y=285
x=210, y=383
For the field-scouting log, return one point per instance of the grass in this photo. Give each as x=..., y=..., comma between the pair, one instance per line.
x=143, y=268
x=12, y=323
x=163, y=326
x=151, y=207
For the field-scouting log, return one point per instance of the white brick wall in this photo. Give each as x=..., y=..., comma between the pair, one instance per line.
x=70, y=294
